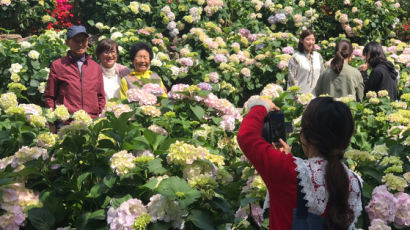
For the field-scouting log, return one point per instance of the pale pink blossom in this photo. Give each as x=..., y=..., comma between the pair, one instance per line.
x=383, y=205
x=175, y=92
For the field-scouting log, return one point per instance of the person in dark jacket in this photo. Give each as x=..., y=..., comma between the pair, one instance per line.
x=75, y=80
x=383, y=75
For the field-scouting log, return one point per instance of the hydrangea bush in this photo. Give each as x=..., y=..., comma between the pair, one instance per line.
x=173, y=163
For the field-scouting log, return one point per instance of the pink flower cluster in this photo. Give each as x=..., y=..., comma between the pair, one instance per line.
x=288, y=50
x=124, y=216
x=155, y=89
x=389, y=208
x=205, y=86
x=175, y=94
x=186, y=61
x=214, y=77
x=227, y=110
x=220, y=58
x=15, y=198
x=141, y=96
x=31, y=109
x=212, y=6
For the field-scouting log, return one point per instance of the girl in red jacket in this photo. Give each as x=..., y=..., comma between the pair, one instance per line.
x=319, y=192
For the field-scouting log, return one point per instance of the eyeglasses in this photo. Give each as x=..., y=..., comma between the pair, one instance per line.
x=142, y=57
x=107, y=52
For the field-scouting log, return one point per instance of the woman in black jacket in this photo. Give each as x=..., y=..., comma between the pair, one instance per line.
x=383, y=75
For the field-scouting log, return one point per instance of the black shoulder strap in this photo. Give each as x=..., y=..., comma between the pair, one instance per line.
x=366, y=221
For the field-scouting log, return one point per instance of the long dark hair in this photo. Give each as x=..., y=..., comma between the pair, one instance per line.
x=303, y=35
x=376, y=53
x=343, y=50
x=328, y=125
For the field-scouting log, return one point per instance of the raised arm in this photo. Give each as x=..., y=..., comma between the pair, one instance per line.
x=273, y=166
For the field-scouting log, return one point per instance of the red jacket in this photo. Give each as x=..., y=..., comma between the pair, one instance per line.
x=66, y=86
x=276, y=168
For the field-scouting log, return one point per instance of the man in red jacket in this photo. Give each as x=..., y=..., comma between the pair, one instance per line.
x=75, y=80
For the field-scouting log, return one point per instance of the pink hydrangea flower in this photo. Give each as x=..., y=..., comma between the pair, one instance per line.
x=378, y=4
x=173, y=93
x=186, y=61
x=383, y=205
x=402, y=218
x=220, y=58
x=205, y=86
x=155, y=89
x=214, y=77
x=378, y=224
x=288, y=50
x=282, y=65
x=227, y=123
x=246, y=72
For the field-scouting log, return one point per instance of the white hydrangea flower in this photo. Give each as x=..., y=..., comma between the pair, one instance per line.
x=33, y=54
x=25, y=45
x=134, y=7
x=116, y=35
x=15, y=68
x=99, y=25
x=122, y=162
x=162, y=209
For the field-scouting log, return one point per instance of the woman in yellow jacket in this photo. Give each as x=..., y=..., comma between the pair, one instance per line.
x=141, y=55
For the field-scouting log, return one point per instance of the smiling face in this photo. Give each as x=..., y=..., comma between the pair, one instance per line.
x=141, y=61
x=78, y=44
x=309, y=43
x=108, y=58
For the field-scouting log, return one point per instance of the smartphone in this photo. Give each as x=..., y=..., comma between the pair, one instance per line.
x=274, y=127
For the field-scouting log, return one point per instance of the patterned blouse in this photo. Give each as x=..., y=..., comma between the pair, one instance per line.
x=305, y=72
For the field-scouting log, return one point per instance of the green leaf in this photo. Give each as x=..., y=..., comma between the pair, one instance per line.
x=222, y=204
x=41, y=218
x=198, y=111
x=160, y=226
x=154, y=139
x=4, y=181
x=245, y=201
x=109, y=180
x=97, y=190
x=86, y=217
x=81, y=178
x=151, y=184
x=35, y=64
x=155, y=166
x=396, y=150
x=116, y=202
x=202, y=219
x=91, y=22
x=178, y=189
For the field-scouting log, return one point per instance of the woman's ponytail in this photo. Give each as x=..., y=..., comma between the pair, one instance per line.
x=328, y=125
x=339, y=215
x=343, y=50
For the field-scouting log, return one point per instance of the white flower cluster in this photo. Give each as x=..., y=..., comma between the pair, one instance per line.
x=81, y=116
x=122, y=162
x=162, y=209
x=23, y=155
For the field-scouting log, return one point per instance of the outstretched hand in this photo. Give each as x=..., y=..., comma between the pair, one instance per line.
x=283, y=146
x=272, y=106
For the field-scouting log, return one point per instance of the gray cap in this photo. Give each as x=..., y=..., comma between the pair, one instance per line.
x=74, y=30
